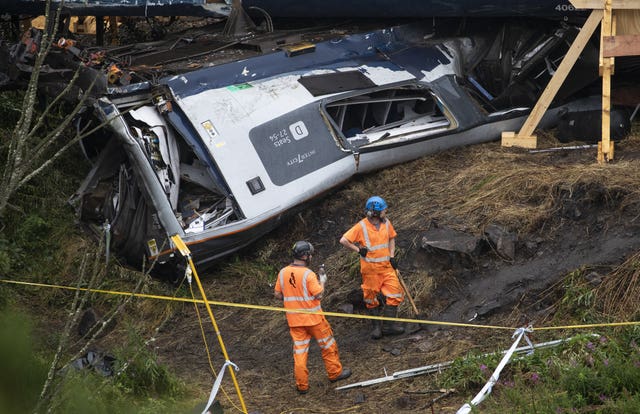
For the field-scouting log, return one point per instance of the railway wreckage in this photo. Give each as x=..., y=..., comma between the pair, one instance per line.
x=222, y=153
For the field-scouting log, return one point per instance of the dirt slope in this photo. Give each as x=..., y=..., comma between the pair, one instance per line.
x=572, y=214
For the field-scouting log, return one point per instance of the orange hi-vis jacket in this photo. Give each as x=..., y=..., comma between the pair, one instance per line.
x=299, y=285
x=376, y=240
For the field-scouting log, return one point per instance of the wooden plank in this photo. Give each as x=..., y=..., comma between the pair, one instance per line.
x=561, y=73
x=599, y=4
x=510, y=139
x=621, y=45
x=606, y=113
x=607, y=29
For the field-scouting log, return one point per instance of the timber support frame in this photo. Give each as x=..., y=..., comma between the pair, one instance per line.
x=602, y=13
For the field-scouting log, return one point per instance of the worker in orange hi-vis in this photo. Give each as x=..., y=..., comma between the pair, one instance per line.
x=373, y=238
x=301, y=289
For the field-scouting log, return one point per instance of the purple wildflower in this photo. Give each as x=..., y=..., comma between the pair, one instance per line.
x=590, y=346
x=535, y=377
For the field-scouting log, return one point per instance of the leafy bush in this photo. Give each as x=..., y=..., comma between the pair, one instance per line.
x=86, y=392
x=5, y=257
x=469, y=372
x=587, y=374
x=22, y=372
x=140, y=373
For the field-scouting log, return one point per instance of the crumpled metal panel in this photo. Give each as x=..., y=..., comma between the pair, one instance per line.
x=209, y=8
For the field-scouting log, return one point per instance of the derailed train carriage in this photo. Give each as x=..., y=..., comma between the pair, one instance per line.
x=223, y=154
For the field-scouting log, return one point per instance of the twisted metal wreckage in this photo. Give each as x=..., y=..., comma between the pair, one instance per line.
x=222, y=154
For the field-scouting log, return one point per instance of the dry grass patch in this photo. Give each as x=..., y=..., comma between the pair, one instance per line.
x=618, y=294
x=511, y=187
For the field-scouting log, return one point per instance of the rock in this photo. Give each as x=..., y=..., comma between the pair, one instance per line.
x=449, y=240
x=346, y=308
x=503, y=240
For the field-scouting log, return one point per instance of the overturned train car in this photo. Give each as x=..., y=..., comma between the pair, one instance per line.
x=223, y=154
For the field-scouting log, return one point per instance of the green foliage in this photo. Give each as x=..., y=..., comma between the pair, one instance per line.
x=22, y=372
x=469, y=372
x=579, y=299
x=32, y=233
x=31, y=248
x=143, y=387
x=140, y=373
x=5, y=256
x=588, y=374
x=86, y=392
x=148, y=387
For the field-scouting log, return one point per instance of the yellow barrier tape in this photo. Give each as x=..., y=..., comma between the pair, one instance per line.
x=180, y=244
x=336, y=314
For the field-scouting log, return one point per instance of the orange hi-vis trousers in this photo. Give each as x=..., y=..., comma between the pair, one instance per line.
x=323, y=334
x=383, y=280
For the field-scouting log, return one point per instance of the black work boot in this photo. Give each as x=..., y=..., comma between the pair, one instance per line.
x=389, y=327
x=376, y=324
x=346, y=373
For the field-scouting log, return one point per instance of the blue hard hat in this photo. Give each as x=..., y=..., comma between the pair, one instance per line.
x=376, y=204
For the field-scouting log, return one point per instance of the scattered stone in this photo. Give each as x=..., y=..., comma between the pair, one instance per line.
x=346, y=308
x=392, y=350
x=503, y=240
x=488, y=307
x=531, y=245
x=449, y=240
x=360, y=398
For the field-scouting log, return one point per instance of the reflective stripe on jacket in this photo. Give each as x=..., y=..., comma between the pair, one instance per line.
x=376, y=240
x=379, y=249
x=299, y=286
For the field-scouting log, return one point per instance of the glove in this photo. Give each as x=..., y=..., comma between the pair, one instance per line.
x=363, y=251
x=394, y=262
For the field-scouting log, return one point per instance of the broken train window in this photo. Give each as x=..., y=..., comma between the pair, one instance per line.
x=380, y=116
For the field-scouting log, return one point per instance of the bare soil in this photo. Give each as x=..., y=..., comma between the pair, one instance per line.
x=591, y=227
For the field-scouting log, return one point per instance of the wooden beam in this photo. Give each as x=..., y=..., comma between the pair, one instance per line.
x=510, y=139
x=558, y=77
x=599, y=4
x=607, y=29
x=621, y=45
